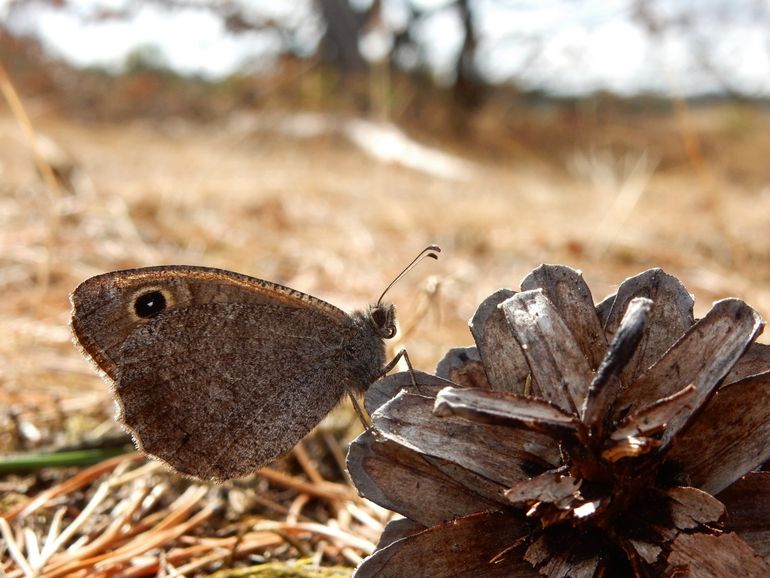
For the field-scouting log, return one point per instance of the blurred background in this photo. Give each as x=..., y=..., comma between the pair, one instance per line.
x=322, y=143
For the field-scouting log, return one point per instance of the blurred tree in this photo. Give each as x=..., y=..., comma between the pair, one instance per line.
x=353, y=35
x=700, y=26
x=340, y=43
x=469, y=87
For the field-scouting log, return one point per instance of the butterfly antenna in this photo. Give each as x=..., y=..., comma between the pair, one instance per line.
x=431, y=251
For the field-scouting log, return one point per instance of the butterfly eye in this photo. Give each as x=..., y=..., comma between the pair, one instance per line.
x=379, y=317
x=149, y=304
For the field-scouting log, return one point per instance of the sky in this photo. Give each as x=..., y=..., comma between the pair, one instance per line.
x=569, y=47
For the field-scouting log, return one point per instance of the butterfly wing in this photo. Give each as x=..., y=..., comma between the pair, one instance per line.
x=218, y=390
x=103, y=313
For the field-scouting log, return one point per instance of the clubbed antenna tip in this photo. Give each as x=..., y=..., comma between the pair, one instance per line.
x=431, y=251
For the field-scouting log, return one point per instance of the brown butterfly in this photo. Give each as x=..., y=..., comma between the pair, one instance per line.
x=217, y=373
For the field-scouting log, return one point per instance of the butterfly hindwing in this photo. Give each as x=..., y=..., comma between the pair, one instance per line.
x=218, y=390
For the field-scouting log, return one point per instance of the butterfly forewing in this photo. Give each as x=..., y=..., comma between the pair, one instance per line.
x=104, y=305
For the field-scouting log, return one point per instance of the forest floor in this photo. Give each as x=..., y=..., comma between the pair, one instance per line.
x=321, y=214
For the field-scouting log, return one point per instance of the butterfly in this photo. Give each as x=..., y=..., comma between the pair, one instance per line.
x=217, y=373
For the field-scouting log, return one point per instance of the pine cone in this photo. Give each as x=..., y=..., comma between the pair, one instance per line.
x=578, y=440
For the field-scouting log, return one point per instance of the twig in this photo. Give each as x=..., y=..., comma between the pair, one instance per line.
x=79, y=480
x=22, y=118
x=13, y=548
x=101, y=493
x=321, y=530
x=307, y=464
x=49, y=177
x=296, y=507
x=323, y=489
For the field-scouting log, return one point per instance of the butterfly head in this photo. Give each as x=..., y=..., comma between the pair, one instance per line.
x=382, y=317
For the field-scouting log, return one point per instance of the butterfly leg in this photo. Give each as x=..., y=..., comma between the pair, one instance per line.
x=393, y=362
x=360, y=412
x=390, y=365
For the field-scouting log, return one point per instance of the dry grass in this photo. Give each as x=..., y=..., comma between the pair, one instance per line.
x=140, y=521
x=321, y=216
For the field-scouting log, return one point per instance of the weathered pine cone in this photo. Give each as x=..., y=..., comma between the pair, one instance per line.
x=577, y=440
